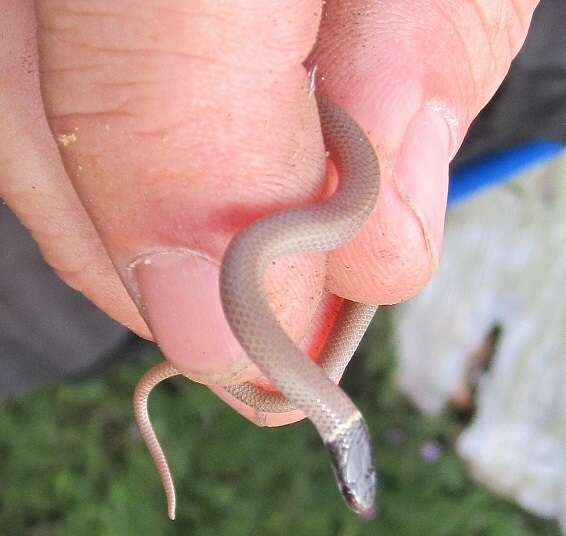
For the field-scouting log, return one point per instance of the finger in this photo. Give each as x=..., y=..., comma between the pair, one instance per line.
x=184, y=123
x=414, y=74
x=260, y=418
x=33, y=181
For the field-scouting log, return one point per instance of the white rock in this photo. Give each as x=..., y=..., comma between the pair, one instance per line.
x=504, y=263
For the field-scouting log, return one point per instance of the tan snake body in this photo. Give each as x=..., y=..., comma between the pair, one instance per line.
x=302, y=383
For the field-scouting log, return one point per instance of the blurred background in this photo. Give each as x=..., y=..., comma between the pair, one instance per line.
x=462, y=388
x=73, y=463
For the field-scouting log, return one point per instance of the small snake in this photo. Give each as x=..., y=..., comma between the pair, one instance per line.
x=302, y=384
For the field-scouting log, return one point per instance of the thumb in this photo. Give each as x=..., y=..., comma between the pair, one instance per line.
x=179, y=125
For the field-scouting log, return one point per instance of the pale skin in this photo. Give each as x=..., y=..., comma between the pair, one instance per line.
x=146, y=134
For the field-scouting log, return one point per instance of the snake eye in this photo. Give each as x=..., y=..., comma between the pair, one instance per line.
x=351, y=457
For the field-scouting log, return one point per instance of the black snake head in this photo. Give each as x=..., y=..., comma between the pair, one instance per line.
x=351, y=455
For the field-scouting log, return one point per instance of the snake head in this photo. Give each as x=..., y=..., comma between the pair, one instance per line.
x=351, y=455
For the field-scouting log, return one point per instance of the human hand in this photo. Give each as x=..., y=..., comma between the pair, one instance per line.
x=178, y=123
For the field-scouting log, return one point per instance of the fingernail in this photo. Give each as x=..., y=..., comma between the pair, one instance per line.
x=180, y=299
x=421, y=173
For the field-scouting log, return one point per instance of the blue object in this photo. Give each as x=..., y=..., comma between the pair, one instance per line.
x=468, y=179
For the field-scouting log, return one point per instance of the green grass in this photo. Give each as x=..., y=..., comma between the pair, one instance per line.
x=73, y=464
